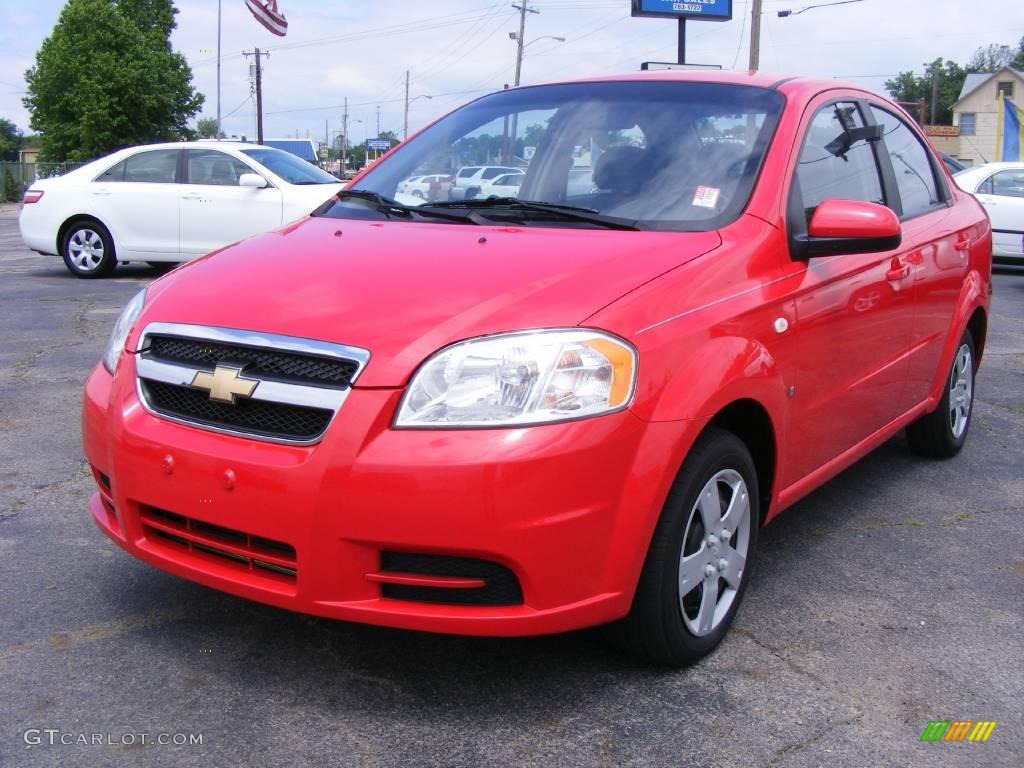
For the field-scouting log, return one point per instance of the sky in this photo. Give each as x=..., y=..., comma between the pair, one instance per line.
x=457, y=50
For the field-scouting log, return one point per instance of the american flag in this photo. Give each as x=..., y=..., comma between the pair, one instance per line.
x=266, y=13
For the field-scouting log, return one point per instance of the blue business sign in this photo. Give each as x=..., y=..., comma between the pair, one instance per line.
x=378, y=145
x=709, y=10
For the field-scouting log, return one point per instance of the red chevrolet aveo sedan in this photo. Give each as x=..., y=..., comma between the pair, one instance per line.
x=577, y=406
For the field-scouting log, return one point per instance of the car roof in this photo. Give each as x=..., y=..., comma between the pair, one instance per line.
x=200, y=144
x=785, y=83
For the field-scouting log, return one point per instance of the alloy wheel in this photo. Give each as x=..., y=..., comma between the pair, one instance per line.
x=714, y=554
x=961, y=391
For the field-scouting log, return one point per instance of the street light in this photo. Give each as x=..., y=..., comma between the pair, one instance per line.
x=408, y=101
x=543, y=37
x=517, y=37
x=784, y=14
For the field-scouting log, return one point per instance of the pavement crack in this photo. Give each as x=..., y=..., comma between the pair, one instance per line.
x=793, y=666
x=16, y=508
x=65, y=641
x=22, y=366
x=792, y=749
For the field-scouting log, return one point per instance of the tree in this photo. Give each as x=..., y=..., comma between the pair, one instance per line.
x=1018, y=59
x=10, y=140
x=910, y=87
x=206, y=128
x=106, y=78
x=990, y=58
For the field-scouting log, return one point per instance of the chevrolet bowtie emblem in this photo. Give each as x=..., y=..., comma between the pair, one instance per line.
x=224, y=384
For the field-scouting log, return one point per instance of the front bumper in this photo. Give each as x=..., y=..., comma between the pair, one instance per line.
x=568, y=508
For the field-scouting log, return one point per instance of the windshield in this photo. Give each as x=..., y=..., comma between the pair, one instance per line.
x=662, y=155
x=292, y=169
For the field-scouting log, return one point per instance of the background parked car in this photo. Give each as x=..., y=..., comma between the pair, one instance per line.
x=1000, y=188
x=470, y=179
x=952, y=164
x=168, y=203
x=431, y=187
x=506, y=185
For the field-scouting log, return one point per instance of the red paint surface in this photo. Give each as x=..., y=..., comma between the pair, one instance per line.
x=569, y=507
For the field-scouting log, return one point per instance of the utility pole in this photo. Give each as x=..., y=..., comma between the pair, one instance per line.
x=344, y=140
x=405, y=125
x=378, y=122
x=218, y=69
x=259, y=90
x=755, y=35
x=935, y=91
x=523, y=10
x=520, y=44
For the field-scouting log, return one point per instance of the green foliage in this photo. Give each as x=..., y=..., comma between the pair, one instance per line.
x=10, y=140
x=206, y=128
x=106, y=78
x=11, y=190
x=155, y=16
x=1018, y=58
x=910, y=87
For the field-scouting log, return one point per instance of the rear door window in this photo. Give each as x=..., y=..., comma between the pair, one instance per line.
x=115, y=173
x=1007, y=183
x=833, y=167
x=158, y=166
x=915, y=174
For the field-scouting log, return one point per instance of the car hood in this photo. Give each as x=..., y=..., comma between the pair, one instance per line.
x=403, y=290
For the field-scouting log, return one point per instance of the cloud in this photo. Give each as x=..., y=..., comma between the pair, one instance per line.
x=458, y=49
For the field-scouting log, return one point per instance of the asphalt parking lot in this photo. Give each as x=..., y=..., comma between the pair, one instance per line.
x=891, y=597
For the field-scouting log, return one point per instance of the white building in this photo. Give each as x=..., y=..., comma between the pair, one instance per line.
x=975, y=114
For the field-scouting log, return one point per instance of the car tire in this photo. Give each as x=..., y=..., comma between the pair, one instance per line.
x=942, y=433
x=417, y=193
x=675, y=623
x=88, y=250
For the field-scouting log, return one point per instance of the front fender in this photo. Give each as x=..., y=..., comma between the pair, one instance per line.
x=717, y=373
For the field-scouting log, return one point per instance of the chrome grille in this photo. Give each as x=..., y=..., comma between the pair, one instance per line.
x=302, y=383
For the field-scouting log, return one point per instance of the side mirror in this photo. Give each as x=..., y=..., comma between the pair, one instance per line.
x=252, y=180
x=850, y=226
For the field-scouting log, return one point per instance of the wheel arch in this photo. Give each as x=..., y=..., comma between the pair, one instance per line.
x=978, y=326
x=70, y=221
x=748, y=419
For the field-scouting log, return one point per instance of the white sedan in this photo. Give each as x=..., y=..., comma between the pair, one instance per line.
x=168, y=203
x=434, y=186
x=999, y=187
x=506, y=185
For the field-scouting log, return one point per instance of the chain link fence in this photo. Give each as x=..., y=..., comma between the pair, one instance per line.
x=15, y=177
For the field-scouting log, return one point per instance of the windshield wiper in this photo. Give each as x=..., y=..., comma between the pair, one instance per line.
x=566, y=212
x=387, y=206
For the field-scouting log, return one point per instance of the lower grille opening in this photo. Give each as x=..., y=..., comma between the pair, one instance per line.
x=255, y=554
x=256, y=417
x=501, y=587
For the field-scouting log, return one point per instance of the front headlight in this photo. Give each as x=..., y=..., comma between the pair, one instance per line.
x=122, y=328
x=517, y=379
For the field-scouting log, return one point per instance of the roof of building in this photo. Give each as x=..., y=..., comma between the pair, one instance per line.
x=975, y=80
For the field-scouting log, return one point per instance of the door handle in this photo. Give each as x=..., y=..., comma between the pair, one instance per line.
x=898, y=271
x=190, y=196
x=101, y=191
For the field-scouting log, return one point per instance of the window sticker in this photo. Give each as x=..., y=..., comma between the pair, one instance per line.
x=706, y=197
